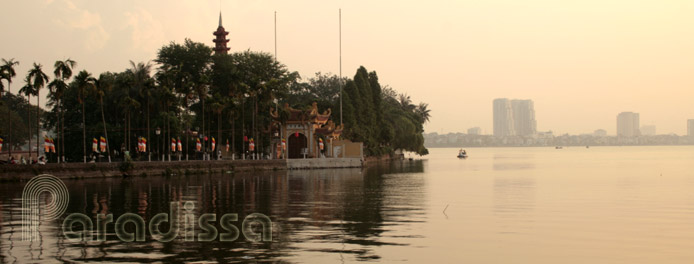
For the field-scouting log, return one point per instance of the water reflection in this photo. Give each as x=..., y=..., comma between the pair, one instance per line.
x=513, y=161
x=513, y=195
x=345, y=214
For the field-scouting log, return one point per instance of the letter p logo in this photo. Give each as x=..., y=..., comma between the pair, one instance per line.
x=32, y=212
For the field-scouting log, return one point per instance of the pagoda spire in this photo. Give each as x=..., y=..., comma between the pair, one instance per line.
x=220, y=41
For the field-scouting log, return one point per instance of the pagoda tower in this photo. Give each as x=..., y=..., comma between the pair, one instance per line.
x=220, y=42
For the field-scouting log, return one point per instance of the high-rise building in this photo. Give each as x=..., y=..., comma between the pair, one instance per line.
x=503, y=118
x=474, y=131
x=628, y=124
x=524, y=123
x=648, y=130
x=220, y=41
x=690, y=127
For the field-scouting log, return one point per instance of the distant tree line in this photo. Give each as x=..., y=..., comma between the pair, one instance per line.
x=189, y=94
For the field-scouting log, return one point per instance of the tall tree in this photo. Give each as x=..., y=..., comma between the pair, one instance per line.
x=144, y=85
x=217, y=106
x=7, y=72
x=189, y=63
x=103, y=86
x=263, y=78
x=39, y=80
x=423, y=111
x=85, y=84
x=167, y=99
x=57, y=87
x=27, y=90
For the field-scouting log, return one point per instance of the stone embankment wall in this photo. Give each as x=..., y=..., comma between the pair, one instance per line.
x=143, y=168
x=324, y=163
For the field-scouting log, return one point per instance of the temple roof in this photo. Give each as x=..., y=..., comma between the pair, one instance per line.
x=297, y=115
x=319, y=121
x=330, y=129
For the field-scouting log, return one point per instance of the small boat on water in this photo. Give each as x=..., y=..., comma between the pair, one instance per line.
x=462, y=154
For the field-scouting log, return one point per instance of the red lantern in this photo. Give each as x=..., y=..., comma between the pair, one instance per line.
x=296, y=134
x=245, y=138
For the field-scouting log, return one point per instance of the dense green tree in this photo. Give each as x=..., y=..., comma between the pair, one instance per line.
x=189, y=67
x=384, y=120
x=17, y=111
x=7, y=72
x=324, y=89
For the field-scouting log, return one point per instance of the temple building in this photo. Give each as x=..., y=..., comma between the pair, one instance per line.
x=220, y=42
x=306, y=130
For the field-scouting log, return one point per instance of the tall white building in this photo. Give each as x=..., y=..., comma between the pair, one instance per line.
x=690, y=127
x=628, y=124
x=524, y=122
x=503, y=118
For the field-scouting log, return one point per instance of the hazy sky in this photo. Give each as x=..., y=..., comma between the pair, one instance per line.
x=582, y=62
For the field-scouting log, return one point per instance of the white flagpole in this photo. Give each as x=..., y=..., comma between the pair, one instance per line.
x=275, y=35
x=340, y=23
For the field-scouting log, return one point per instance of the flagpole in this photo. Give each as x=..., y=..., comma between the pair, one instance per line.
x=340, y=23
x=275, y=36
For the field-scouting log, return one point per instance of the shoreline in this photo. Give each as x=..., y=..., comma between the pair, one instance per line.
x=13, y=173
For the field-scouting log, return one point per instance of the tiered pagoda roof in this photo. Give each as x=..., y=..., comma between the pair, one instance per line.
x=220, y=42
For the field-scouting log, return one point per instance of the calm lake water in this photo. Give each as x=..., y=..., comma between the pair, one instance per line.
x=501, y=205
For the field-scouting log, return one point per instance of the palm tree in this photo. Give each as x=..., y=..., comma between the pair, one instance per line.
x=166, y=97
x=129, y=104
x=423, y=111
x=142, y=78
x=28, y=90
x=2, y=77
x=85, y=84
x=217, y=107
x=57, y=88
x=406, y=103
x=40, y=79
x=201, y=90
x=63, y=72
x=104, y=85
x=7, y=72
